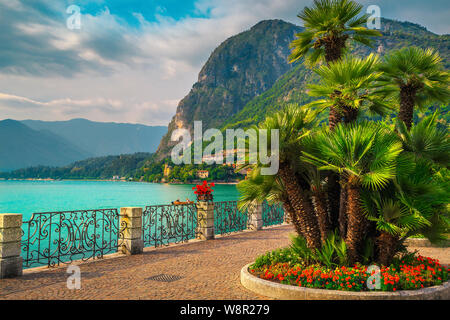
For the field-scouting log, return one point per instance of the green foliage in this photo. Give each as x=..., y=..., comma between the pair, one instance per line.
x=93, y=168
x=366, y=151
x=332, y=253
x=328, y=21
x=419, y=69
x=153, y=171
x=349, y=83
x=283, y=255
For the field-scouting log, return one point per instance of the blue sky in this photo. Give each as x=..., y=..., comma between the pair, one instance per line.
x=175, y=9
x=134, y=60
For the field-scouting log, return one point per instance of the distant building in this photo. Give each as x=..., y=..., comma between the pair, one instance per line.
x=116, y=178
x=167, y=170
x=380, y=49
x=202, y=174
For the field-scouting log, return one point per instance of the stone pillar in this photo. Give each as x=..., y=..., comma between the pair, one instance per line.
x=255, y=221
x=205, y=222
x=130, y=231
x=10, y=249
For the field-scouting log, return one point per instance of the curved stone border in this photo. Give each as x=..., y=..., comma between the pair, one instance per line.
x=419, y=242
x=288, y=292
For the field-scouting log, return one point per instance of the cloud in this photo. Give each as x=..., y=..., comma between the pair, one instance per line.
x=110, y=70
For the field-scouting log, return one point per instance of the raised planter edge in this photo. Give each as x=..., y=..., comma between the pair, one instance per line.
x=287, y=292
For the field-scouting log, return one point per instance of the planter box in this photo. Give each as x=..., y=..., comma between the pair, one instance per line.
x=288, y=292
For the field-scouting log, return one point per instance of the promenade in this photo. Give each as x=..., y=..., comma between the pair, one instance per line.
x=197, y=270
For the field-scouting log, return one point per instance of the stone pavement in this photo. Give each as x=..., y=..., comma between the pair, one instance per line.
x=208, y=270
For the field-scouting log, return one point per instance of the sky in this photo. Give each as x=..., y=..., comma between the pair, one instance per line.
x=134, y=60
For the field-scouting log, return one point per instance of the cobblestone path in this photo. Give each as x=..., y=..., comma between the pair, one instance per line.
x=208, y=270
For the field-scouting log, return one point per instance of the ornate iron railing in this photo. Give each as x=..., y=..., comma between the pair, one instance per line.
x=52, y=238
x=166, y=224
x=228, y=218
x=272, y=214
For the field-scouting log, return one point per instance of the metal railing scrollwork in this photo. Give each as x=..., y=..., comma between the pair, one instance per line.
x=272, y=214
x=166, y=224
x=52, y=238
x=228, y=218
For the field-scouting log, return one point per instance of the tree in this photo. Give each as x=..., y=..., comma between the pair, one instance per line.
x=365, y=155
x=349, y=85
x=293, y=125
x=329, y=25
x=416, y=77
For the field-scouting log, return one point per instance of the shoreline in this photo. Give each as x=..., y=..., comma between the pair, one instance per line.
x=111, y=180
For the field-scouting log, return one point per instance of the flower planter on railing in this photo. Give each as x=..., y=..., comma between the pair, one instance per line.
x=204, y=191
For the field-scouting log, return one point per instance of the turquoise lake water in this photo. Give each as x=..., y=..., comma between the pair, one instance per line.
x=27, y=197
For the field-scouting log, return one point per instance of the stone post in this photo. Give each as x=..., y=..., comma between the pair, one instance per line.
x=255, y=217
x=10, y=249
x=205, y=222
x=130, y=231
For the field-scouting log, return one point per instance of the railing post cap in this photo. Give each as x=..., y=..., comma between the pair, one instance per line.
x=10, y=220
x=131, y=211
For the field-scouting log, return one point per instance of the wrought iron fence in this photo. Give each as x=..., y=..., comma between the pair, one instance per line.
x=52, y=238
x=272, y=214
x=166, y=224
x=228, y=218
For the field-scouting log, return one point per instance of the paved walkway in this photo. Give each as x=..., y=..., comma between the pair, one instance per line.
x=208, y=270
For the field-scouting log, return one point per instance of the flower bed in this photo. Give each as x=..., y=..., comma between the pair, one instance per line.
x=415, y=273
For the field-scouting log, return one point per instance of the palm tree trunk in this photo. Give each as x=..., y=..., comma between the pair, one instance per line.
x=356, y=221
x=334, y=46
x=301, y=205
x=350, y=114
x=407, y=98
x=343, y=209
x=318, y=199
x=333, y=52
x=293, y=218
x=334, y=117
x=387, y=245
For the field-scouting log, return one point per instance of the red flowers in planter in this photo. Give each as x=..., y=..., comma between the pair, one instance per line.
x=204, y=191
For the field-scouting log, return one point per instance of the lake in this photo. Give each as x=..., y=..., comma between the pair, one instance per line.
x=27, y=197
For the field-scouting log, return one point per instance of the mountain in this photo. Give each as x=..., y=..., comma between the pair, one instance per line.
x=104, y=138
x=248, y=75
x=92, y=168
x=21, y=146
x=241, y=68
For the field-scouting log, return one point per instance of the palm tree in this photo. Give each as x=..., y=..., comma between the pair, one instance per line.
x=413, y=203
x=365, y=154
x=329, y=24
x=349, y=85
x=416, y=77
x=294, y=124
x=426, y=140
x=258, y=188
